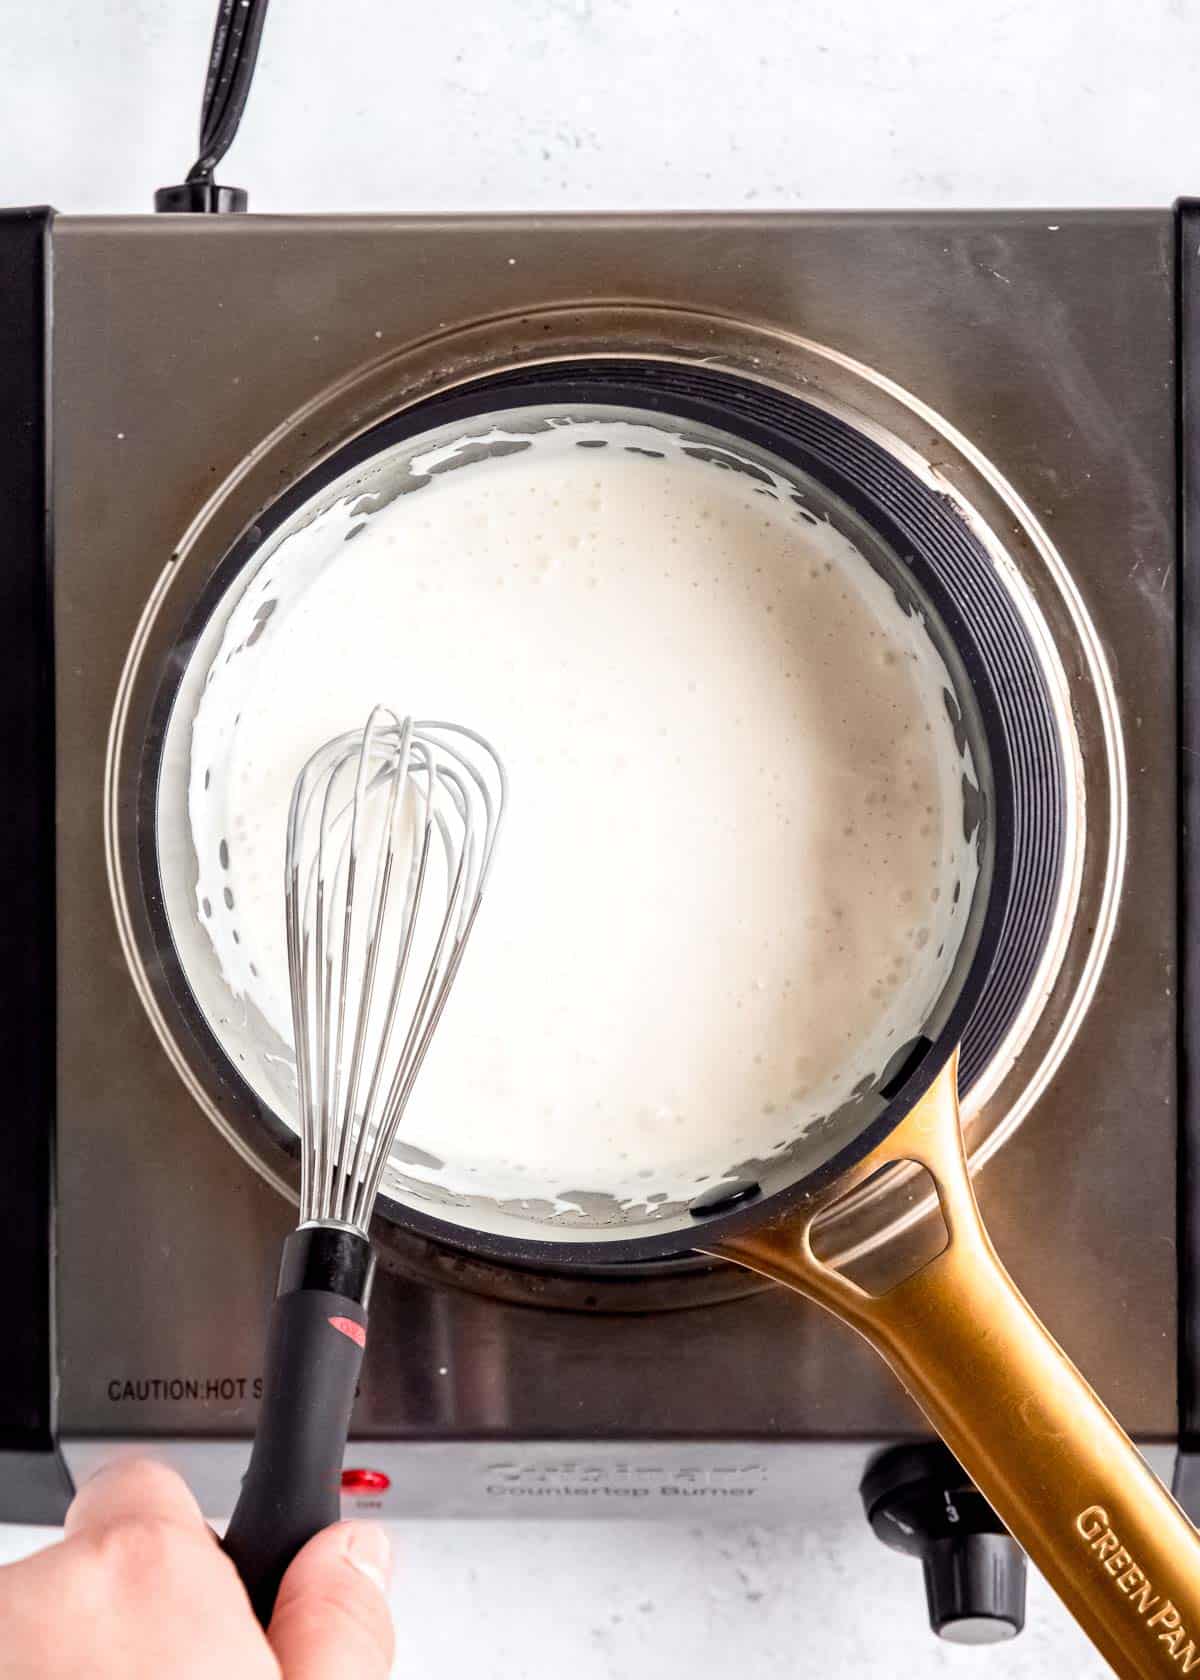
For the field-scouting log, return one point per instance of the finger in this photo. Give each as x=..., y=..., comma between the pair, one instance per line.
x=332, y=1616
x=133, y=1488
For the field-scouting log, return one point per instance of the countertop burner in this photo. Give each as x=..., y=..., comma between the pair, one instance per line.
x=201, y=367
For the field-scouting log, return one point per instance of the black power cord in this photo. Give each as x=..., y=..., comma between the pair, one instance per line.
x=231, y=62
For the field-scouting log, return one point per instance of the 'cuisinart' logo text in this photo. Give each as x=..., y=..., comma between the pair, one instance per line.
x=578, y=1480
x=1131, y=1579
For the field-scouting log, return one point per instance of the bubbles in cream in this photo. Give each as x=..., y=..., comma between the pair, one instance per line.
x=731, y=882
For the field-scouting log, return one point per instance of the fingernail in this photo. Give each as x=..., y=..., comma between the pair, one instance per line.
x=369, y=1550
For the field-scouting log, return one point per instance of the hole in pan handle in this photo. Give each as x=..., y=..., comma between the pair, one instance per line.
x=1035, y=1439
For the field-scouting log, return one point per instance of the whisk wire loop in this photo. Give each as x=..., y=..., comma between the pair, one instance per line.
x=391, y=834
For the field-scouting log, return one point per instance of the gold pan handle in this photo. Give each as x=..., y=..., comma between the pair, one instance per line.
x=1007, y=1401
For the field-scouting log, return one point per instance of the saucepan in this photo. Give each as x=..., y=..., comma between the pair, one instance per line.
x=991, y=1380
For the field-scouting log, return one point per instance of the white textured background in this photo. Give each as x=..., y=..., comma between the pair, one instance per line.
x=590, y=104
x=611, y=104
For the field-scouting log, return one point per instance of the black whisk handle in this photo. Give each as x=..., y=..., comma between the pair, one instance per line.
x=314, y=1354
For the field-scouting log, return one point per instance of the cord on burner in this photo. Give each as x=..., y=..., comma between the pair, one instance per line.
x=237, y=35
x=236, y=39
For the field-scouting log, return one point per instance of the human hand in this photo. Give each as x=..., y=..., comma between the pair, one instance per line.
x=139, y=1589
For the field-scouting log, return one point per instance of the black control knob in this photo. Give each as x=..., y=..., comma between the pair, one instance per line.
x=920, y=1501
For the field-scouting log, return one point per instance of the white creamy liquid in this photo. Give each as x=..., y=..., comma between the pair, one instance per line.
x=725, y=893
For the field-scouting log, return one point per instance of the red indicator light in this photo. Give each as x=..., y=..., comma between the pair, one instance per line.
x=365, y=1481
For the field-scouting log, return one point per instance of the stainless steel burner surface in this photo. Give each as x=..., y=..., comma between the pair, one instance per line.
x=230, y=358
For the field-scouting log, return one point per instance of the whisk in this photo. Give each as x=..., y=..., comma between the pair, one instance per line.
x=391, y=833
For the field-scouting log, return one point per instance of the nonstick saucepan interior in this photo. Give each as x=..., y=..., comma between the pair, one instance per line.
x=1026, y=1426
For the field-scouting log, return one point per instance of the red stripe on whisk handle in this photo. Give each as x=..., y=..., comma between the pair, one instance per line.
x=356, y=1332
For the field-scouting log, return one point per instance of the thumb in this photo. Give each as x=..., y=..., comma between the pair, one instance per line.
x=332, y=1616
